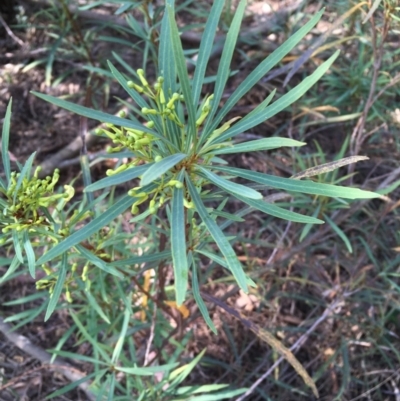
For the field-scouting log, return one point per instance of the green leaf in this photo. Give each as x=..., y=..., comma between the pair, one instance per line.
x=221, y=261
x=230, y=186
x=124, y=83
x=183, y=76
x=207, y=40
x=118, y=178
x=95, y=114
x=199, y=301
x=277, y=211
x=161, y=167
x=307, y=187
x=166, y=60
x=339, y=232
x=224, y=65
x=96, y=307
x=281, y=104
x=121, y=338
x=219, y=237
x=148, y=370
x=92, y=227
x=5, y=138
x=138, y=260
x=178, y=244
x=62, y=274
x=273, y=59
x=97, y=261
x=257, y=145
x=12, y=268
x=30, y=254
x=97, y=346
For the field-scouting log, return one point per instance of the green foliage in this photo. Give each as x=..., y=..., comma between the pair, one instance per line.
x=174, y=140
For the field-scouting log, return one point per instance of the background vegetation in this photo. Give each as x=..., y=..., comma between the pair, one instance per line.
x=328, y=292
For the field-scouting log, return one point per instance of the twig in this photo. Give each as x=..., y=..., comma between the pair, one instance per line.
x=10, y=32
x=293, y=348
x=59, y=365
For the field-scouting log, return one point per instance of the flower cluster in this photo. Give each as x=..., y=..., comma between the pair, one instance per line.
x=24, y=198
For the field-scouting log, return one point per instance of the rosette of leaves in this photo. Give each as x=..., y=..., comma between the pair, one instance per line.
x=176, y=141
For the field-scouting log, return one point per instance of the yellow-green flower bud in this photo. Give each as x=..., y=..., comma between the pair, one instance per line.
x=162, y=96
x=145, y=110
x=158, y=158
x=68, y=296
x=150, y=124
x=122, y=114
x=134, y=209
x=138, y=88
x=174, y=98
x=143, y=80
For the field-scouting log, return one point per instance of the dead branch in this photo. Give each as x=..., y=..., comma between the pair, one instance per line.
x=59, y=365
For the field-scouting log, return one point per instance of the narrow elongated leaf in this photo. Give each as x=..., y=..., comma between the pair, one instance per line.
x=97, y=346
x=138, y=260
x=166, y=60
x=5, y=138
x=124, y=83
x=62, y=274
x=224, y=66
x=183, y=75
x=98, y=262
x=207, y=40
x=277, y=211
x=178, y=244
x=96, y=307
x=92, y=227
x=11, y=269
x=259, y=144
x=121, y=338
x=230, y=186
x=339, y=232
x=30, y=254
x=219, y=237
x=307, y=187
x=148, y=370
x=95, y=114
x=199, y=300
x=119, y=178
x=273, y=59
x=281, y=104
x=161, y=167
